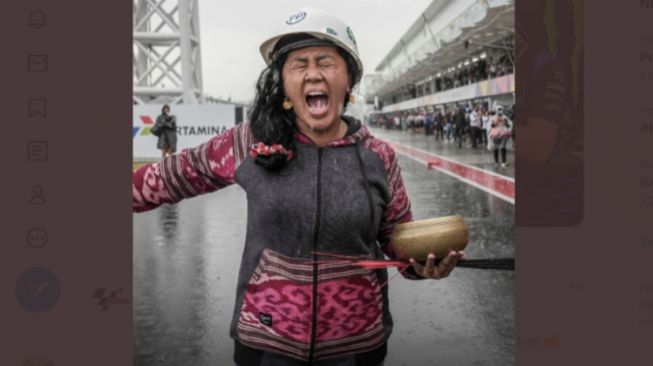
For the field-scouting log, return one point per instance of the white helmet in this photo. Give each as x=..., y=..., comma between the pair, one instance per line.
x=319, y=24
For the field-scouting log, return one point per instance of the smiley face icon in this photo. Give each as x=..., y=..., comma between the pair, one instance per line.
x=37, y=238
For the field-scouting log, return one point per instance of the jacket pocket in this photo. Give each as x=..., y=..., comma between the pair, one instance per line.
x=276, y=313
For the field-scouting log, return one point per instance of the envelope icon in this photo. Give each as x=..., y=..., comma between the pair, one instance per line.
x=37, y=63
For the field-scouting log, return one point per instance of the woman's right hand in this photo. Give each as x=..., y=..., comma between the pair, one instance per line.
x=442, y=269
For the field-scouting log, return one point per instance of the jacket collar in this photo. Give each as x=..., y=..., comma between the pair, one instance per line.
x=356, y=133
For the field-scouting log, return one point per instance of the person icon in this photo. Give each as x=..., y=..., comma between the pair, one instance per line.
x=37, y=198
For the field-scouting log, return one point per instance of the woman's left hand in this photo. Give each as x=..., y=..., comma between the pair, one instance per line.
x=442, y=270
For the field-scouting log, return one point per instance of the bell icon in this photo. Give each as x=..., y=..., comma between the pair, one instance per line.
x=37, y=19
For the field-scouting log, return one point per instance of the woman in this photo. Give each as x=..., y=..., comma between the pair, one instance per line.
x=499, y=135
x=165, y=128
x=316, y=182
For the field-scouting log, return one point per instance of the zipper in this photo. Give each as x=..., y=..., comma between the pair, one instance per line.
x=316, y=233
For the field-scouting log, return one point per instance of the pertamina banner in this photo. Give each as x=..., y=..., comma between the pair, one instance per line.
x=195, y=124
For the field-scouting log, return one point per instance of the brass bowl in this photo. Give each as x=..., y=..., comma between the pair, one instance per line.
x=438, y=236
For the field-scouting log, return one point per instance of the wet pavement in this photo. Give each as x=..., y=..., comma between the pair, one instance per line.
x=186, y=260
x=479, y=157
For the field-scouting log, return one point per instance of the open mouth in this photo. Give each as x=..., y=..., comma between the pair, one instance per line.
x=318, y=102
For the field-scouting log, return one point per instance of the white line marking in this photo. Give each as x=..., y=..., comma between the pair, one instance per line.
x=456, y=162
x=471, y=183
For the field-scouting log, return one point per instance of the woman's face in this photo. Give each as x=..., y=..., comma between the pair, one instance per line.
x=315, y=79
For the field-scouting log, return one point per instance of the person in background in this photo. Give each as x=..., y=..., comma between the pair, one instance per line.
x=475, y=125
x=459, y=121
x=449, y=128
x=410, y=122
x=500, y=133
x=438, y=123
x=419, y=122
x=428, y=123
x=485, y=125
x=165, y=128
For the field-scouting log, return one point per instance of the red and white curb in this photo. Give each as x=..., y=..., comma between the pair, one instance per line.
x=498, y=185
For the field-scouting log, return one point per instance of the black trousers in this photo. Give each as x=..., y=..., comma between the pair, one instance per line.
x=476, y=136
x=503, y=155
x=247, y=356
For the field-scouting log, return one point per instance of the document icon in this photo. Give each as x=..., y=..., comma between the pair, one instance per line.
x=37, y=63
x=37, y=150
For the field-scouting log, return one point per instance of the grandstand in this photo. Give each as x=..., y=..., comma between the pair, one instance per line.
x=458, y=52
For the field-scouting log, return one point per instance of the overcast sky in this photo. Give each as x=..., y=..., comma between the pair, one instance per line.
x=232, y=31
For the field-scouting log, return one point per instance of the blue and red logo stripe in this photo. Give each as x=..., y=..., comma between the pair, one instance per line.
x=145, y=130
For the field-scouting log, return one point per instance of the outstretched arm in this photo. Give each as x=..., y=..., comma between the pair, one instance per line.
x=194, y=171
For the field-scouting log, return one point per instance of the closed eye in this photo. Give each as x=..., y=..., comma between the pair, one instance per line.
x=325, y=60
x=298, y=65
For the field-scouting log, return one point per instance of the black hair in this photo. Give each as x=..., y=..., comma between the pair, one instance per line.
x=164, y=108
x=270, y=123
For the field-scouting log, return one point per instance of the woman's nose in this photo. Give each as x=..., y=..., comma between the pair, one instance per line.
x=313, y=73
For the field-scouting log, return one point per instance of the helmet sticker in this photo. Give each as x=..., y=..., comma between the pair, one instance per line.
x=296, y=18
x=331, y=31
x=351, y=35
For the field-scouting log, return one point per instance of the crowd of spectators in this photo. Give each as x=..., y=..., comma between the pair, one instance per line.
x=482, y=69
x=464, y=126
x=477, y=71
